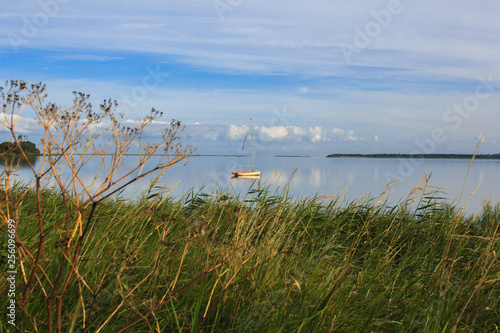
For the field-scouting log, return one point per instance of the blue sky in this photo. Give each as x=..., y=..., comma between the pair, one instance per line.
x=317, y=77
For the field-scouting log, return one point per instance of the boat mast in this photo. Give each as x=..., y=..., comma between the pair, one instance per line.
x=251, y=127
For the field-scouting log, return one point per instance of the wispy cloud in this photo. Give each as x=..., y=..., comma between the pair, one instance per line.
x=437, y=39
x=84, y=57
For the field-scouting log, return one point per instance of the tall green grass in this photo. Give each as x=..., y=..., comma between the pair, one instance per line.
x=266, y=262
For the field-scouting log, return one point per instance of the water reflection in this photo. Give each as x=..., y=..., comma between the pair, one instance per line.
x=12, y=162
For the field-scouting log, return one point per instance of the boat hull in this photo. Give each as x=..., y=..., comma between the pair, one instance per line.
x=253, y=173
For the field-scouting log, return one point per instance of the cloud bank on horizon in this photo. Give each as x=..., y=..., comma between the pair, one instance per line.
x=316, y=77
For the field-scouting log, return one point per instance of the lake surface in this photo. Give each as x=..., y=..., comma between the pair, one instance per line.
x=359, y=177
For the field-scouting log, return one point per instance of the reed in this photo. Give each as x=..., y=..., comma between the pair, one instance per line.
x=267, y=262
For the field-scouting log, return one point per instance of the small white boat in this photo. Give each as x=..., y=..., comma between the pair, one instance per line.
x=253, y=174
x=246, y=174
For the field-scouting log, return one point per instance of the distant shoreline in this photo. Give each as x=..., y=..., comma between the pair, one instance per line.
x=415, y=156
x=426, y=156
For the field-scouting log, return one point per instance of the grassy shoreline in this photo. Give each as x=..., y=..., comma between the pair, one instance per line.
x=220, y=263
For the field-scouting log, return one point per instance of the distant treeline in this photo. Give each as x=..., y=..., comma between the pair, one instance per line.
x=448, y=156
x=12, y=148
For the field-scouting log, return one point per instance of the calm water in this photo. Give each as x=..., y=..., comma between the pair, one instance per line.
x=325, y=176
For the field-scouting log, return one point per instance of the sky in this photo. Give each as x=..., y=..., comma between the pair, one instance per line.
x=316, y=77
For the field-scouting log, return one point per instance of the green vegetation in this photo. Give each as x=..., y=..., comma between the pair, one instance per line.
x=447, y=156
x=17, y=148
x=266, y=262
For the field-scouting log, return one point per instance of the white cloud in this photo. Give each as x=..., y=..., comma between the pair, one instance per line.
x=296, y=131
x=315, y=134
x=22, y=125
x=262, y=134
x=308, y=134
x=351, y=136
x=235, y=132
x=274, y=133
